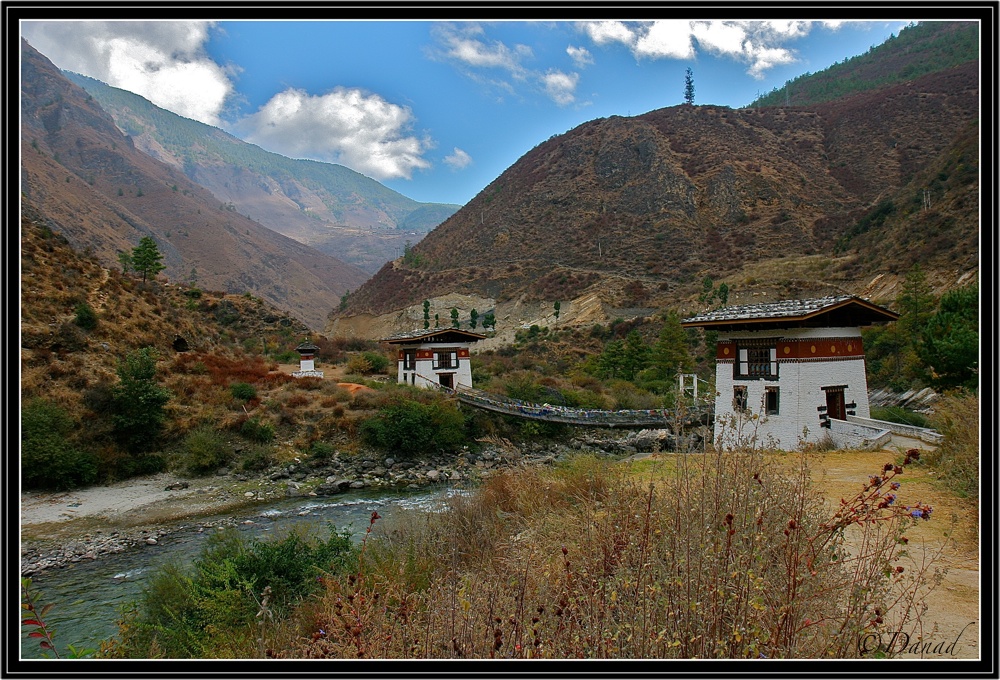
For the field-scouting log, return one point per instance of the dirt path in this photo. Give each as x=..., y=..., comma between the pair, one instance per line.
x=954, y=606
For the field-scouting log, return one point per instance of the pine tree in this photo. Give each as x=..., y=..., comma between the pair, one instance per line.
x=125, y=259
x=915, y=302
x=636, y=355
x=688, y=87
x=137, y=401
x=670, y=354
x=950, y=340
x=147, y=259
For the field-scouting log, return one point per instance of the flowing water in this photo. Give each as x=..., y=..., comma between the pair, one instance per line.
x=87, y=597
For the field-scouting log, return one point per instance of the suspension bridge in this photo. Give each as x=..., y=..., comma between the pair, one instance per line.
x=628, y=418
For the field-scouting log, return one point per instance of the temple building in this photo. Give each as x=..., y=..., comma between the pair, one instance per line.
x=792, y=372
x=438, y=357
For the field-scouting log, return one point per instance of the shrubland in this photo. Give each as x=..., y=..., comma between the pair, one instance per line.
x=695, y=556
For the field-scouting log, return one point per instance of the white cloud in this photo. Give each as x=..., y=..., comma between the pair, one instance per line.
x=465, y=45
x=458, y=159
x=346, y=126
x=163, y=61
x=719, y=36
x=560, y=87
x=759, y=44
x=580, y=56
x=603, y=32
x=669, y=38
x=763, y=58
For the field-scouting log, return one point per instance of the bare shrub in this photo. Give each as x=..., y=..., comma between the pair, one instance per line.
x=720, y=556
x=956, y=416
x=296, y=400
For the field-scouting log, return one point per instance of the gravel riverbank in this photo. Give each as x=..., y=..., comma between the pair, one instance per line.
x=86, y=524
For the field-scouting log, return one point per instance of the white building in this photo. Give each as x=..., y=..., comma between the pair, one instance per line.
x=307, y=361
x=791, y=372
x=435, y=357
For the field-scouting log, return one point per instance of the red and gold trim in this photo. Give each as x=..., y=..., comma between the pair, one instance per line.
x=802, y=349
x=462, y=352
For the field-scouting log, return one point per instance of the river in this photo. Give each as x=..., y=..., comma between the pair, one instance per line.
x=87, y=597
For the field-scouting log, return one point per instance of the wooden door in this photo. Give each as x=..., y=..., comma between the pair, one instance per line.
x=835, y=403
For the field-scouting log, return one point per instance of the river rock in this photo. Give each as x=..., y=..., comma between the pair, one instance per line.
x=432, y=475
x=151, y=541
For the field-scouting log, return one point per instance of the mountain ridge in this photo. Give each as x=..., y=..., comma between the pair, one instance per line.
x=91, y=184
x=324, y=205
x=641, y=211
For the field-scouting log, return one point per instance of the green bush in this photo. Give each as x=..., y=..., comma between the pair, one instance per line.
x=137, y=402
x=287, y=357
x=243, y=391
x=256, y=458
x=48, y=459
x=411, y=428
x=377, y=361
x=321, y=450
x=256, y=430
x=211, y=610
x=137, y=466
x=204, y=450
x=86, y=317
x=898, y=414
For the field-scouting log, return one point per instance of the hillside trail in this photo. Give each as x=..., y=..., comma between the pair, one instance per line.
x=96, y=291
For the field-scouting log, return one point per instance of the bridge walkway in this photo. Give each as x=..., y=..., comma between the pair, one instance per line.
x=629, y=418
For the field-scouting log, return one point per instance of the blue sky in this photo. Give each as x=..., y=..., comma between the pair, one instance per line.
x=436, y=110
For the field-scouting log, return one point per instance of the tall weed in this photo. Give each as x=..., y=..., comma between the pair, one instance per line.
x=721, y=556
x=956, y=416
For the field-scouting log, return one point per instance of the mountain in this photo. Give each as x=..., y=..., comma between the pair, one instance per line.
x=329, y=207
x=919, y=49
x=89, y=182
x=621, y=216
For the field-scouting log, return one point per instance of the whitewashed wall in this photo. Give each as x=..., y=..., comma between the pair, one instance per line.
x=800, y=394
x=425, y=375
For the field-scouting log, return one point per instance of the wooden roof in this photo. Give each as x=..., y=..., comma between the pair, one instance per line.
x=834, y=310
x=434, y=335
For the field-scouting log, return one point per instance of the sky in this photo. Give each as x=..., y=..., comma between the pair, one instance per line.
x=437, y=110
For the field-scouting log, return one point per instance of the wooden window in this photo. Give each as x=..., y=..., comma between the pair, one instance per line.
x=756, y=361
x=409, y=359
x=771, y=402
x=740, y=398
x=446, y=359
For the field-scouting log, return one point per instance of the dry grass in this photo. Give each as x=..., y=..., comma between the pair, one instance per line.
x=713, y=556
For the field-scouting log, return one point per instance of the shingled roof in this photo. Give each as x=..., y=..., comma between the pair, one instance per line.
x=834, y=310
x=434, y=335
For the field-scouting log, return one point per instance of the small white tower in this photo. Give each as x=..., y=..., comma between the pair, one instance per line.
x=307, y=366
